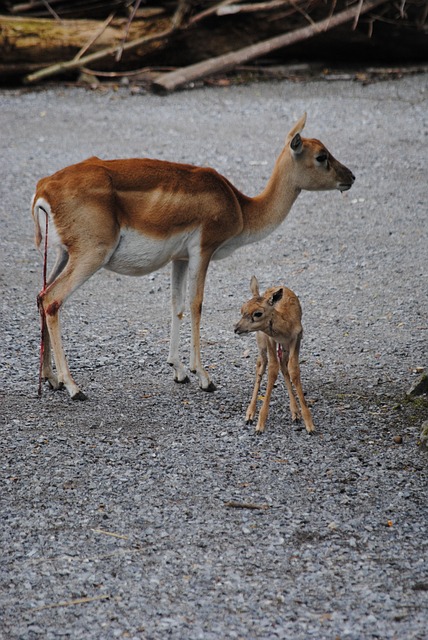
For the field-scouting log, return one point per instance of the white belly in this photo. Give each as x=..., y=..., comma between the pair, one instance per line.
x=137, y=254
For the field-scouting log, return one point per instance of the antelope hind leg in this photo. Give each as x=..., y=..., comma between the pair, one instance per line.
x=178, y=298
x=47, y=372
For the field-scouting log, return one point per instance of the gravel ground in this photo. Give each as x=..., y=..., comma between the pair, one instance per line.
x=116, y=518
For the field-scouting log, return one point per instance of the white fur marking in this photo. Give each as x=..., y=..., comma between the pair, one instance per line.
x=42, y=207
x=137, y=254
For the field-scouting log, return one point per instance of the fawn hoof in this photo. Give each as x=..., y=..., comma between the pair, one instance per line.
x=79, y=396
x=184, y=380
x=53, y=383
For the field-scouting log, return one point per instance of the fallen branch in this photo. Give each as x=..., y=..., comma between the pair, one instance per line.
x=170, y=81
x=250, y=8
x=210, y=11
x=125, y=37
x=357, y=15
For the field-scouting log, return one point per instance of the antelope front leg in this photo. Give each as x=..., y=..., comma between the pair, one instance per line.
x=178, y=297
x=197, y=272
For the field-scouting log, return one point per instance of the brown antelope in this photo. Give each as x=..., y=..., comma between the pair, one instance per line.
x=276, y=317
x=134, y=216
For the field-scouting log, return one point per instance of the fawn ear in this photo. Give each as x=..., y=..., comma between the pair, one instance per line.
x=254, y=286
x=276, y=296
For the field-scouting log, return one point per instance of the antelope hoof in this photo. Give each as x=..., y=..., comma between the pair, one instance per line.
x=210, y=388
x=180, y=374
x=79, y=396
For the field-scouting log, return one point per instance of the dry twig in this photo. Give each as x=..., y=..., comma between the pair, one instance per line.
x=97, y=35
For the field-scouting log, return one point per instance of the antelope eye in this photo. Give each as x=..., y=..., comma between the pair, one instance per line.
x=322, y=157
x=257, y=314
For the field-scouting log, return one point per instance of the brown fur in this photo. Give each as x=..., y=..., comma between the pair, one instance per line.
x=276, y=317
x=135, y=215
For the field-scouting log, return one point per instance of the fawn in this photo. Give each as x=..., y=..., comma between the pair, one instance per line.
x=276, y=317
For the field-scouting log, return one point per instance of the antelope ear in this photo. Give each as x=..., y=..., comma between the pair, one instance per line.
x=254, y=286
x=296, y=145
x=276, y=296
x=298, y=128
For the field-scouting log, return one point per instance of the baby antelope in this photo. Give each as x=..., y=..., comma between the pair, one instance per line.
x=276, y=317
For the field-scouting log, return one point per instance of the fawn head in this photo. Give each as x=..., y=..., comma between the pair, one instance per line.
x=257, y=312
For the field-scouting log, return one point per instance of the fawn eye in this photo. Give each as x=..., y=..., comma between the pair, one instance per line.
x=322, y=158
x=257, y=314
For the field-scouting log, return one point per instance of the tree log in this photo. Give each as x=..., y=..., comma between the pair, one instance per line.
x=42, y=41
x=51, y=47
x=170, y=81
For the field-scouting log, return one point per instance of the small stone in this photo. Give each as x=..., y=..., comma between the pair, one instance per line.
x=398, y=439
x=420, y=386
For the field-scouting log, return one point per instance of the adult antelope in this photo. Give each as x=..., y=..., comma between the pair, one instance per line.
x=134, y=216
